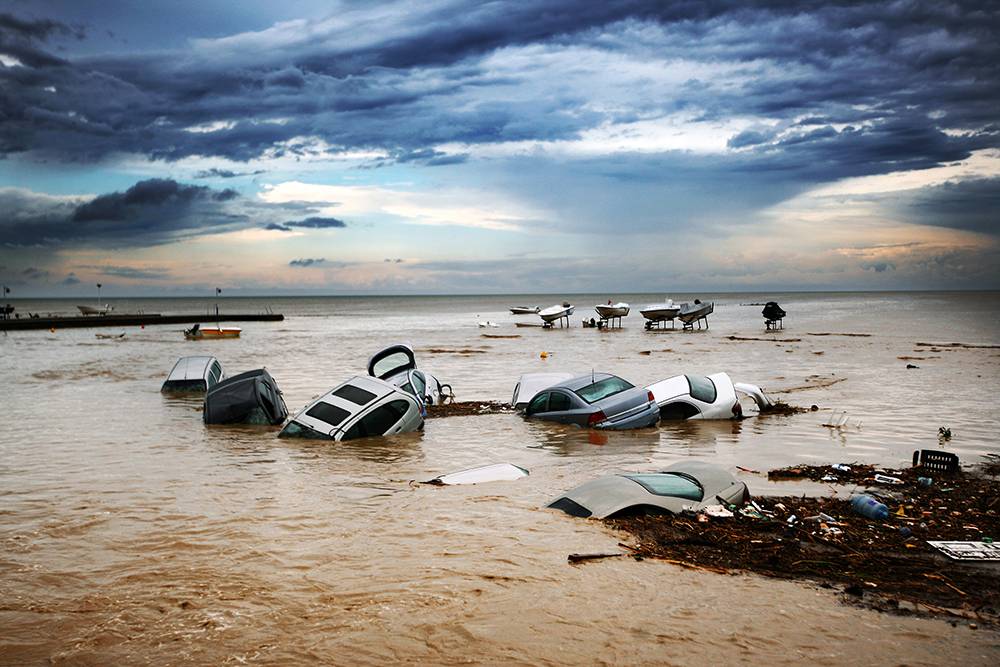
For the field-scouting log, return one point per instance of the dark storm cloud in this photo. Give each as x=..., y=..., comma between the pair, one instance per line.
x=151, y=211
x=972, y=205
x=308, y=223
x=34, y=273
x=897, y=74
x=305, y=263
x=131, y=272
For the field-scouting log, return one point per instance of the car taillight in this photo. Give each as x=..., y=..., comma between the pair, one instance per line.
x=649, y=395
x=737, y=410
x=596, y=418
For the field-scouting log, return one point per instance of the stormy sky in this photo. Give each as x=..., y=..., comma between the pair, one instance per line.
x=459, y=146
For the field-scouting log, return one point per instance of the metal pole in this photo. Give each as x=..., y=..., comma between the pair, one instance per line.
x=98, y=296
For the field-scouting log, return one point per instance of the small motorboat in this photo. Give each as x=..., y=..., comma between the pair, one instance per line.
x=96, y=310
x=198, y=332
x=693, y=312
x=524, y=310
x=609, y=310
x=104, y=336
x=555, y=313
x=773, y=315
x=661, y=312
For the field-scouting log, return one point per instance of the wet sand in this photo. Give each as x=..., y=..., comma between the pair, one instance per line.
x=132, y=534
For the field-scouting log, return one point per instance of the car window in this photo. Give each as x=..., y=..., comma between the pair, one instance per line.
x=214, y=373
x=602, y=389
x=419, y=384
x=678, y=410
x=378, y=421
x=538, y=403
x=558, y=401
x=394, y=361
x=330, y=414
x=702, y=388
x=355, y=395
x=670, y=484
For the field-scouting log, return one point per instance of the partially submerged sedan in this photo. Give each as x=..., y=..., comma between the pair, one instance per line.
x=704, y=397
x=193, y=374
x=359, y=408
x=397, y=365
x=683, y=486
x=597, y=400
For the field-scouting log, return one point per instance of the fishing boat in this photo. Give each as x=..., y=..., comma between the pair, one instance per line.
x=660, y=312
x=524, y=310
x=694, y=312
x=555, y=313
x=198, y=332
x=610, y=310
x=96, y=310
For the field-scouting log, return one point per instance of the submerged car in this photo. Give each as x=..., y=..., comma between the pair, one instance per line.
x=704, y=397
x=529, y=384
x=597, y=400
x=193, y=374
x=397, y=365
x=359, y=408
x=687, y=485
x=248, y=398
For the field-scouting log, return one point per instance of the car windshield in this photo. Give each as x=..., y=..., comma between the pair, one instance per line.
x=702, y=388
x=297, y=430
x=602, y=389
x=670, y=484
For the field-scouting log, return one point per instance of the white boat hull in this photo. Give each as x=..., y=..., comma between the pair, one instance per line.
x=659, y=313
x=524, y=310
x=555, y=313
x=615, y=310
x=696, y=312
x=95, y=310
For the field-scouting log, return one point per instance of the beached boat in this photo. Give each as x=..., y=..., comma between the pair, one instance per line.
x=692, y=312
x=554, y=313
x=198, y=332
x=96, y=310
x=524, y=310
x=660, y=312
x=609, y=310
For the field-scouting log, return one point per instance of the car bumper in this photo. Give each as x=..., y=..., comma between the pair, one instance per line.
x=647, y=417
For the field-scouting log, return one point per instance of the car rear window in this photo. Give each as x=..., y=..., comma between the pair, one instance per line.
x=702, y=388
x=602, y=389
x=330, y=414
x=670, y=484
x=354, y=394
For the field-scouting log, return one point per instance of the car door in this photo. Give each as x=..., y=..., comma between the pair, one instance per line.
x=560, y=408
x=385, y=419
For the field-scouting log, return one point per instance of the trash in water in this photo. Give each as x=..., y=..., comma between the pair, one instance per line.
x=959, y=550
x=935, y=461
x=944, y=433
x=717, y=511
x=841, y=467
x=868, y=506
x=496, y=472
x=887, y=479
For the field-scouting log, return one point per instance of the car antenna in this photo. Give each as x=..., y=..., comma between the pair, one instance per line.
x=591, y=375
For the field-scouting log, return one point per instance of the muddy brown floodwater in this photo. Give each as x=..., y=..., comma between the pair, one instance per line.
x=132, y=534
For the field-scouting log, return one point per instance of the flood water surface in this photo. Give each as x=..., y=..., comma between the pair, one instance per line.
x=130, y=533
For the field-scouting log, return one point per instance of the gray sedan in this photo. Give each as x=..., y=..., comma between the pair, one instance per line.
x=597, y=400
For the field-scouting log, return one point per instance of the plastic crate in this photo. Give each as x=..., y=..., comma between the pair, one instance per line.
x=935, y=461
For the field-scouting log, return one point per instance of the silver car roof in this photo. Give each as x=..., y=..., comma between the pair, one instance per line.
x=380, y=388
x=582, y=381
x=611, y=494
x=191, y=368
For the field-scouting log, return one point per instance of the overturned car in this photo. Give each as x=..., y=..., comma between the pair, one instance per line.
x=248, y=398
x=359, y=408
x=683, y=486
x=397, y=365
x=704, y=397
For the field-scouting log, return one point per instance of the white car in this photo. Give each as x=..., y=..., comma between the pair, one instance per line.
x=359, y=408
x=701, y=397
x=529, y=384
x=193, y=374
x=397, y=365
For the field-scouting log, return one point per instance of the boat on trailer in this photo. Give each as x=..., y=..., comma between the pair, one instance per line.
x=610, y=310
x=556, y=313
x=658, y=313
x=692, y=313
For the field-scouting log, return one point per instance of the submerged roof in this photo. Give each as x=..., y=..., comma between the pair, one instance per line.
x=190, y=368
